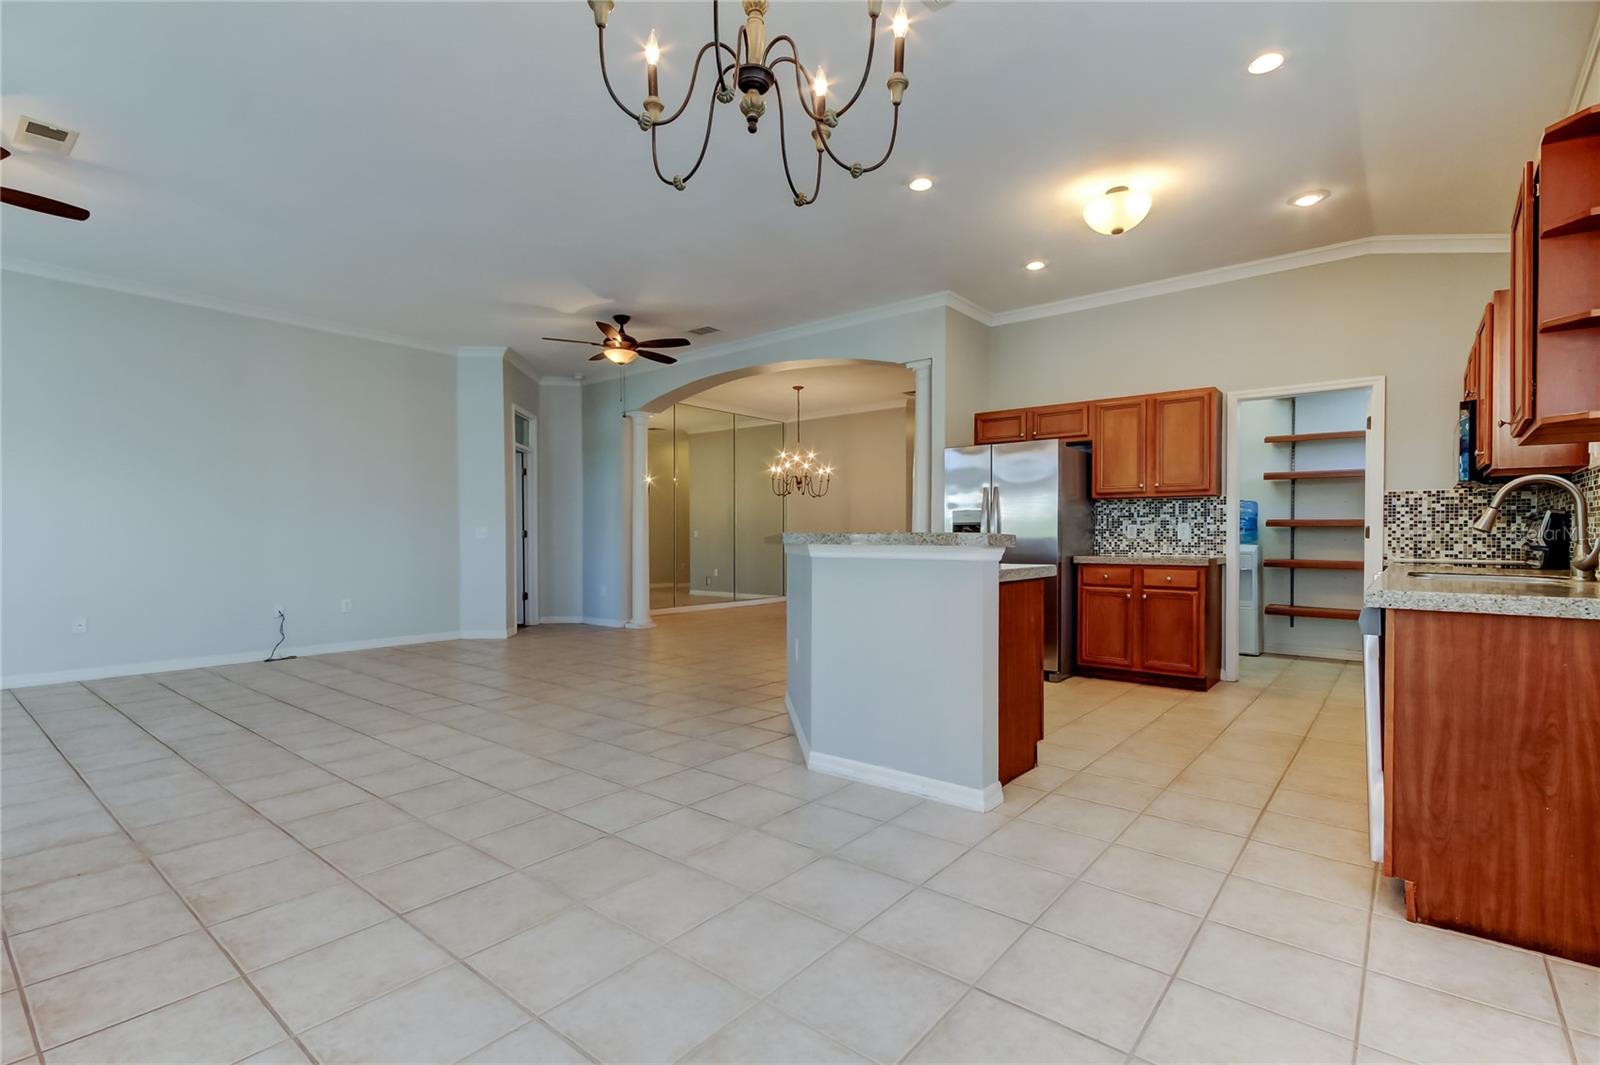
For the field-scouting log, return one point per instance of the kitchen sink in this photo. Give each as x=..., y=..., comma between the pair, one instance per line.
x=1497, y=578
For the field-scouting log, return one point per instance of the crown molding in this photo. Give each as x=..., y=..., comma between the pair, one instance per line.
x=244, y=310
x=1587, y=70
x=1453, y=244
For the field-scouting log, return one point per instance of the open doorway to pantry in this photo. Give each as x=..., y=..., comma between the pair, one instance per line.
x=525, y=526
x=1307, y=460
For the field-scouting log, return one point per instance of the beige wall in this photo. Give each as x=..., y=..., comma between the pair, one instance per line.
x=1407, y=317
x=872, y=484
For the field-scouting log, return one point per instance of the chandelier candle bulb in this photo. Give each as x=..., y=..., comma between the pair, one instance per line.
x=901, y=25
x=819, y=93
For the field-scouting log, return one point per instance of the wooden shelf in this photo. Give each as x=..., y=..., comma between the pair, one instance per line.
x=1332, y=613
x=1312, y=475
x=1589, y=319
x=1316, y=523
x=1311, y=563
x=1307, y=438
x=1583, y=124
x=1587, y=221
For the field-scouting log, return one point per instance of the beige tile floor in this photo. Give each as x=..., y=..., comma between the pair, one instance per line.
x=591, y=844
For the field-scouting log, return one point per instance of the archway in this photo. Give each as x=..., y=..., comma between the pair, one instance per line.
x=636, y=461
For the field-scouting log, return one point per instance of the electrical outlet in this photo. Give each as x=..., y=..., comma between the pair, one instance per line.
x=344, y=606
x=1184, y=532
x=80, y=624
x=716, y=573
x=481, y=533
x=797, y=648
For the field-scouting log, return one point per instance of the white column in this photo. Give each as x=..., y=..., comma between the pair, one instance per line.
x=639, y=539
x=921, y=460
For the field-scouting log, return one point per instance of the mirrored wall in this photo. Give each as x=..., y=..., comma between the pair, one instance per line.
x=712, y=508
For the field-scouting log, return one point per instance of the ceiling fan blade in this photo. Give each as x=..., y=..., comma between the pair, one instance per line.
x=5, y=153
x=597, y=356
x=656, y=356
x=669, y=342
x=42, y=204
x=564, y=340
x=609, y=330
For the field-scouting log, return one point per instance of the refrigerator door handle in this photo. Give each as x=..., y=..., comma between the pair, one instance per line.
x=984, y=526
x=994, y=499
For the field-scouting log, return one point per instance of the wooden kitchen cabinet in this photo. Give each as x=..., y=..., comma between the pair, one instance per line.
x=1163, y=625
x=1555, y=288
x=1491, y=738
x=1184, y=437
x=1497, y=451
x=1105, y=626
x=1064, y=421
x=1166, y=444
x=1000, y=426
x=1121, y=446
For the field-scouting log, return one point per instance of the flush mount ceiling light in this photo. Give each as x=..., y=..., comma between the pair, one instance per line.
x=1265, y=63
x=1117, y=211
x=920, y=184
x=747, y=63
x=1034, y=265
x=1310, y=198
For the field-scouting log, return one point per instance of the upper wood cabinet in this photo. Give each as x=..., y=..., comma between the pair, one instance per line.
x=1555, y=288
x=1064, y=421
x=1120, y=430
x=1167, y=444
x=1498, y=452
x=1161, y=444
x=1000, y=426
x=1523, y=234
x=1185, y=432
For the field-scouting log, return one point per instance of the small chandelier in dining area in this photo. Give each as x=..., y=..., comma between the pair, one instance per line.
x=747, y=61
x=799, y=472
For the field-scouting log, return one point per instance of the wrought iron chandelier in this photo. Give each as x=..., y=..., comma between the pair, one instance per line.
x=749, y=64
x=799, y=472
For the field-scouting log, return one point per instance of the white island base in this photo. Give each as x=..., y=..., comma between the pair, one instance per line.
x=894, y=658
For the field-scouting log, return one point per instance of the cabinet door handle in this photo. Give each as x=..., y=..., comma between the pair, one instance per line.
x=1127, y=595
x=1144, y=597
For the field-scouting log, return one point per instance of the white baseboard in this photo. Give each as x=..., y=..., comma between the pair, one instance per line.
x=979, y=799
x=487, y=634
x=799, y=732
x=172, y=665
x=606, y=623
x=573, y=619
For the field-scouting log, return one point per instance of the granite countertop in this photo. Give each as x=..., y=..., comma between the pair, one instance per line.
x=1149, y=560
x=898, y=539
x=1025, y=571
x=1396, y=589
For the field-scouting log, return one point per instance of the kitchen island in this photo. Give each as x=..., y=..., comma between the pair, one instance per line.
x=915, y=660
x=1490, y=740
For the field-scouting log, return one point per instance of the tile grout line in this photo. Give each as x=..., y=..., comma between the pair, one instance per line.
x=1172, y=978
x=22, y=998
x=243, y=976
x=1561, y=1012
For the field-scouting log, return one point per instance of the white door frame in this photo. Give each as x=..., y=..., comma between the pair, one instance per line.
x=1372, y=504
x=529, y=559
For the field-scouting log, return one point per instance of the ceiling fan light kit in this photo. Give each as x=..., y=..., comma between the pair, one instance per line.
x=747, y=63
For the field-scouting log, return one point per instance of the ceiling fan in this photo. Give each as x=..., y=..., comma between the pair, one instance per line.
x=42, y=204
x=621, y=348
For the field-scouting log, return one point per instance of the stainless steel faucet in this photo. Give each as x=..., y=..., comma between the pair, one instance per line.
x=1585, y=559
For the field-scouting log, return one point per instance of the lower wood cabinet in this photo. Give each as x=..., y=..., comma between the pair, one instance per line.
x=1161, y=624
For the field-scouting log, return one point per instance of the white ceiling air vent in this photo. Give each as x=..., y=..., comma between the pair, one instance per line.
x=705, y=330
x=31, y=133
x=937, y=5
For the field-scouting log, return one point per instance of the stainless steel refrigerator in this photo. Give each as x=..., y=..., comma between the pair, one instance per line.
x=1038, y=491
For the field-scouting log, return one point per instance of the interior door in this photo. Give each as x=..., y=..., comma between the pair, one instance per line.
x=1119, y=447
x=521, y=591
x=1183, y=444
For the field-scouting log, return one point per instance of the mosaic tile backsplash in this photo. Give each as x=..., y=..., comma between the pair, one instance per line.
x=1160, y=526
x=1434, y=524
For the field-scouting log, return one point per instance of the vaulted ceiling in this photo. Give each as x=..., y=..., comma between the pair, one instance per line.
x=454, y=173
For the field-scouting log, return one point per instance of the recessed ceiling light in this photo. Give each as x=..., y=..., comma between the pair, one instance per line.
x=1034, y=264
x=921, y=184
x=1265, y=63
x=1311, y=198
